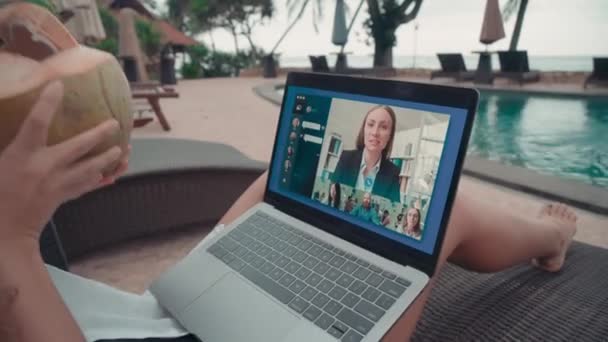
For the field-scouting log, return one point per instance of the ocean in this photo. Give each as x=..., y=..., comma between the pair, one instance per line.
x=542, y=63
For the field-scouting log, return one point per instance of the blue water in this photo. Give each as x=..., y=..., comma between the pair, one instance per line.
x=561, y=136
x=543, y=63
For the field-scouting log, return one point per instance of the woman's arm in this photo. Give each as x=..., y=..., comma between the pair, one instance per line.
x=36, y=179
x=32, y=308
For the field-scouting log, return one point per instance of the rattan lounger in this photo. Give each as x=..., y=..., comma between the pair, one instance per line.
x=171, y=181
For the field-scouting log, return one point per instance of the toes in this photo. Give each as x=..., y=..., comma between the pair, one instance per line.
x=553, y=209
x=560, y=210
x=568, y=213
x=571, y=216
x=546, y=209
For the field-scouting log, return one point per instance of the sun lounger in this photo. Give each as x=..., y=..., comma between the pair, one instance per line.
x=170, y=183
x=176, y=183
x=599, y=76
x=514, y=65
x=452, y=66
x=319, y=63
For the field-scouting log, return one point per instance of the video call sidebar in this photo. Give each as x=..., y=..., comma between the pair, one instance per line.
x=306, y=133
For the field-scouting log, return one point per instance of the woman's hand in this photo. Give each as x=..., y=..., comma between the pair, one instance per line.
x=35, y=179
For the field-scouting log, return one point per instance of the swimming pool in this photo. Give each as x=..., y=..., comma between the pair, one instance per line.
x=566, y=136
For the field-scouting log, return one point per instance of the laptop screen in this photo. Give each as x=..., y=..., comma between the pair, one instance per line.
x=382, y=164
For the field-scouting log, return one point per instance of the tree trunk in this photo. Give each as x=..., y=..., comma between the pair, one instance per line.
x=383, y=55
x=247, y=31
x=235, y=36
x=297, y=18
x=212, y=41
x=254, y=51
x=518, y=24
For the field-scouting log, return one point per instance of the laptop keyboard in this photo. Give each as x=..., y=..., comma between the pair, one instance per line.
x=340, y=293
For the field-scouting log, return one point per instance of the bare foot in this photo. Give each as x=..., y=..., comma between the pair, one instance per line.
x=563, y=218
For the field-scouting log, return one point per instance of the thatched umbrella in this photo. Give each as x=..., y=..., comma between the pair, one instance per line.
x=84, y=23
x=492, y=28
x=129, y=49
x=340, y=32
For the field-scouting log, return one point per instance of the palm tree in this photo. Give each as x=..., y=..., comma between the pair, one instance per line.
x=508, y=10
x=317, y=15
x=352, y=21
x=292, y=5
x=176, y=13
x=385, y=17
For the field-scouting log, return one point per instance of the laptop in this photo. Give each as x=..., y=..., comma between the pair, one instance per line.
x=360, y=188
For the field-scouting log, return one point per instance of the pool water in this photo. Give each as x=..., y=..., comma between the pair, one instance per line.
x=565, y=136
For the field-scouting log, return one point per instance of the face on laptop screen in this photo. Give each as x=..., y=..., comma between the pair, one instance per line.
x=383, y=164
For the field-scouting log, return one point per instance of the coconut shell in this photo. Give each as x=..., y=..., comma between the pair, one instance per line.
x=32, y=31
x=95, y=90
x=36, y=49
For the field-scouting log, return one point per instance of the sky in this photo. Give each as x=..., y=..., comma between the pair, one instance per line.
x=551, y=28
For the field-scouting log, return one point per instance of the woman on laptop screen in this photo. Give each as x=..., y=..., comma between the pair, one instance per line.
x=411, y=225
x=367, y=168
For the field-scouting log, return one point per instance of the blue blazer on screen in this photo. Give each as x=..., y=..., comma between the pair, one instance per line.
x=387, y=180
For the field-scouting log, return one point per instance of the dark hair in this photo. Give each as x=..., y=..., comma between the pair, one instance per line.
x=335, y=202
x=386, y=152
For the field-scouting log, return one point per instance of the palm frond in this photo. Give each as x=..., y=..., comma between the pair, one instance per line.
x=291, y=7
x=509, y=8
x=319, y=6
x=315, y=15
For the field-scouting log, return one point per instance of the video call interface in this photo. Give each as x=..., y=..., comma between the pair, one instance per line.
x=368, y=162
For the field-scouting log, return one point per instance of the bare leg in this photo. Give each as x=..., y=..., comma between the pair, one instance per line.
x=479, y=236
x=485, y=238
x=252, y=196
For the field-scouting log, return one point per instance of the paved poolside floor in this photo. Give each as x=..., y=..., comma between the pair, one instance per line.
x=226, y=110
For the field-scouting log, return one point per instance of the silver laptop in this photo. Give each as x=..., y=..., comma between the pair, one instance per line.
x=361, y=183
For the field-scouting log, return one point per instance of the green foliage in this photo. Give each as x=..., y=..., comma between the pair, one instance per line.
x=109, y=45
x=221, y=64
x=199, y=6
x=191, y=71
x=198, y=52
x=207, y=63
x=294, y=6
x=150, y=3
x=149, y=37
x=239, y=17
x=229, y=13
x=44, y=3
x=385, y=17
x=180, y=14
x=110, y=24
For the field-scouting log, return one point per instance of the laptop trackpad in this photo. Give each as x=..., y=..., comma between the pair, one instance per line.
x=233, y=310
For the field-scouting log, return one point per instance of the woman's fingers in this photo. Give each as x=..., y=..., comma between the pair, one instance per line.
x=120, y=170
x=86, y=175
x=77, y=147
x=34, y=131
